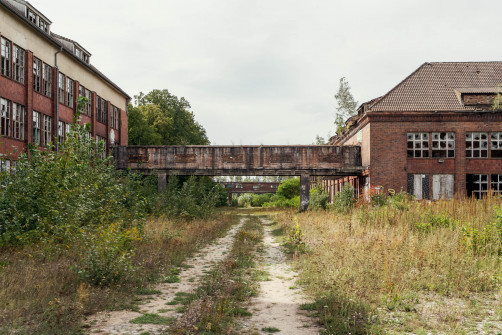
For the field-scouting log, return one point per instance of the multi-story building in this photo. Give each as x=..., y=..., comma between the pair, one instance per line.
x=433, y=135
x=42, y=74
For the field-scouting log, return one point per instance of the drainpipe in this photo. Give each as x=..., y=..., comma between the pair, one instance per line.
x=57, y=94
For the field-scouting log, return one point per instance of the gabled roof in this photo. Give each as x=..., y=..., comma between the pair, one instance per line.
x=434, y=87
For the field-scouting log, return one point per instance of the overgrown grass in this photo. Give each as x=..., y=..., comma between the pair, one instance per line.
x=388, y=268
x=213, y=308
x=41, y=291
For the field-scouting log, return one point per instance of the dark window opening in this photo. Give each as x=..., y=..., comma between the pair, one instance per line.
x=477, y=185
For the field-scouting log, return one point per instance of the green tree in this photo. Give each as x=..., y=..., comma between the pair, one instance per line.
x=347, y=106
x=164, y=119
x=289, y=188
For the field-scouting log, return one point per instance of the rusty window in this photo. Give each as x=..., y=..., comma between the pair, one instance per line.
x=37, y=71
x=36, y=128
x=477, y=185
x=496, y=183
x=70, y=92
x=18, y=63
x=6, y=57
x=4, y=117
x=476, y=145
x=47, y=80
x=496, y=145
x=18, y=115
x=443, y=145
x=418, y=145
x=61, y=86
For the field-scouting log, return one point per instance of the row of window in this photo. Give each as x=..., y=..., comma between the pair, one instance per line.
x=14, y=66
x=442, y=145
x=37, y=20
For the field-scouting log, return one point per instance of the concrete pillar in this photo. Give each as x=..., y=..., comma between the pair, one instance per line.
x=304, y=192
x=230, y=199
x=162, y=182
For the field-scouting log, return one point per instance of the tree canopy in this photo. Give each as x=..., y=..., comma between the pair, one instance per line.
x=161, y=118
x=347, y=106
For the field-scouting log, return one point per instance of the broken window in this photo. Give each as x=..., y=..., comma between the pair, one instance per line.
x=18, y=63
x=37, y=70
x=36, y=127
x=47, y=80
x=61, y=131
x=496, y=142
x=4, y=117
x=418, y=145
x=477, y=185
x=101, y=110
x=69, y=92
x=98, y=107
x=443, y=145
x=47, y=129
x=496, y=183
x=476, y=145
x=61, y=86
x=114, y=117
x=88, y=106
x=32, y=16
x=43, y=25
x=18, y=114
x=6, y=57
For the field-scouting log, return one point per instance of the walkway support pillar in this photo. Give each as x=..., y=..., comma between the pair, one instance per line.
x=304, y=192
x=230, y=198
x=162, y=182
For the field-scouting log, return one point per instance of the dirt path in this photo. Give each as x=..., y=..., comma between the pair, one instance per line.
x=119, y=322
x=277, y=306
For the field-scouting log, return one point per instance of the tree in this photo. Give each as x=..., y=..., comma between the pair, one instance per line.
x=347, y=106
x=161, y=118
x=319, y=140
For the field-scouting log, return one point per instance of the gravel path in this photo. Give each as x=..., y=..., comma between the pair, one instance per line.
x=118, y=322
x=277, y=305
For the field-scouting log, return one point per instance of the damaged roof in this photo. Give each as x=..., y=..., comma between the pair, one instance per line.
x=434, y=87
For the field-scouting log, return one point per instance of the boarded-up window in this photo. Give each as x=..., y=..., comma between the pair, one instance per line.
x=418, y=185
x=442, y=186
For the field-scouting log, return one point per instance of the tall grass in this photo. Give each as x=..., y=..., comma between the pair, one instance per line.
x=376, y=257
x=41, y=291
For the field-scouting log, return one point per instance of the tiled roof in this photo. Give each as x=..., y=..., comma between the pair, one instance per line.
x=432, y=86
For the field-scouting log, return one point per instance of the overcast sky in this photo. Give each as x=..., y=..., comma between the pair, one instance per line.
x=265, y=72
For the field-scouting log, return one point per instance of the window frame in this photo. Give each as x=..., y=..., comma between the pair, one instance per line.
x=5, y=117
x=61, y=131
x=70, y=92
x=18, y=63
x=47, y=80
x=18, y=119
x=36, y=127
x=37, y=75
x=484, y=185
x=46, y=129
x=88, y=104
x=436, y=141
x=470, y=145
x=424, y=138
x=61, y=87
x=496, y=142
x=5, y=57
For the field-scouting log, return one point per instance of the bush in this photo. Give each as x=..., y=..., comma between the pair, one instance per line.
x=245, y=200
x=259, y=199
x=289, y=188
x=319, y=199
x=344, y=200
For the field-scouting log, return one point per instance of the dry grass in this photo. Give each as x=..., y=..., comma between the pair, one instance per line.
x=387, y=269
x=40, y=291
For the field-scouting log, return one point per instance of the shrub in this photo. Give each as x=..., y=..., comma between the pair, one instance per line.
x=245, y=200
x=259, y=199
x=319, y=199
x=344, y=200
x=289, y=188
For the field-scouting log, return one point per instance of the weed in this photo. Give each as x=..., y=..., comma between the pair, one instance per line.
x=155, y=319
x=271, y=330
x=146, y=291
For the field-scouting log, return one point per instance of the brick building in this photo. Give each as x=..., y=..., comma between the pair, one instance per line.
x=42, y=74
x=434, y=135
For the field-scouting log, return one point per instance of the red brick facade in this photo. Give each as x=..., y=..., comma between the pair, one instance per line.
x=383, y=135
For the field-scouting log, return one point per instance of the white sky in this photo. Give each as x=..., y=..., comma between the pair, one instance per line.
x=265, y=71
